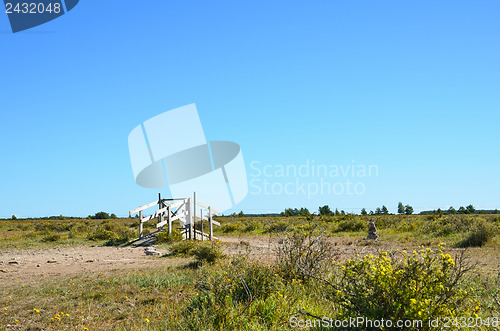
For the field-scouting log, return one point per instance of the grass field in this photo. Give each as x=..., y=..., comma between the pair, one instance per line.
x=421, y=268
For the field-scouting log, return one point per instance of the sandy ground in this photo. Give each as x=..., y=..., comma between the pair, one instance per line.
x=31, y=264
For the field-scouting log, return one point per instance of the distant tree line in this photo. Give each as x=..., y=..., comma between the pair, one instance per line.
x=102, y=216
x=296, y=212
x=470, y=209
x=97, y=216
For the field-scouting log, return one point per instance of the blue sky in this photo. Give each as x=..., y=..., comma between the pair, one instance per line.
x=410, y=87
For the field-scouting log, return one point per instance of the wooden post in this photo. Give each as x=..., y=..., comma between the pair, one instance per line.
x=188, y=219
x=211, y=226
x=169, y=213
x=160, y=206
x=201, y=220
x=140, y=224
x=194, y=215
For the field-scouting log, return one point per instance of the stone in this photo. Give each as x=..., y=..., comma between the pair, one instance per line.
x=372, y=230
x=151, y=251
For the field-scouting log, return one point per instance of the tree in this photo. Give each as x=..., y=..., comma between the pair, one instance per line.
x=384, y=210
x=462, y=210
x=363, y=212
x=325, y=211
x=408, y=210
x=378, y=211
x=14, y=217
x=101, y=216
x=304, y=212
x=471, y=209
x=451, y=210
x=401, y=208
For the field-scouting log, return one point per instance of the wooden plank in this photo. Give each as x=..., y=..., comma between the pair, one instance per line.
x=161, y=224
x=143, y=207
x=178, y=204
x=150, y=217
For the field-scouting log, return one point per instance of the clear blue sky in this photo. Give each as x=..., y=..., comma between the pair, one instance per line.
x=411, y=87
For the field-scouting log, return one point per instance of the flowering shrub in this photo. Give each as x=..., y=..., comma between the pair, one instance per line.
x=420, y=286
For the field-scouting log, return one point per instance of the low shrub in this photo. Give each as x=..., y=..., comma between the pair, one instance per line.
x=279, y=226
x=102, y=234
x=352, y=225
x=252, y=226
x=480, y=234
x=208, y=252
x=301, y=255
x=421, y=286
x=184, y=247
x=164, y=238
x=242, y=296
x=51, y=237
x=114, y=233
x=229, y=227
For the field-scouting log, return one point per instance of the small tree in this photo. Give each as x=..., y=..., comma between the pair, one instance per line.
x=363, y=212
x=325, y=211
x=378, y=211
x=401, y=208
x=304, y=212
x=384, y=210
x=471, y=209
x=462, y=210
x=451, y=210
x=14, y=217
x=408, y=210
x=101, y=216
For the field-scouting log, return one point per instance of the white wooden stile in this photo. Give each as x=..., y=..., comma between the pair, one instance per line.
x=183, y=210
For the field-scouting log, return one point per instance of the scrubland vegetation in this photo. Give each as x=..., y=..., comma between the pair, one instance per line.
x=214, y=290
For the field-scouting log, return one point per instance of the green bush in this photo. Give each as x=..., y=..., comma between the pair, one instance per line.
x=302, y=255
x=480, y=234
x=421, y=286
x=242, y=296
x=164, y=238
x=229, y=227
x=51, y=237
x=184, y=247
x=252, y=226
x=279, y=226
x=352, y=225
x=102, y=234
x=114, y=233
x=208, y=252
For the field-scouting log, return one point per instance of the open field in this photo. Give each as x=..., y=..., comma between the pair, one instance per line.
x=77, y=275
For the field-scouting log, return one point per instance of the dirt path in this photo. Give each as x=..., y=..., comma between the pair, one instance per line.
x=23, y=264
